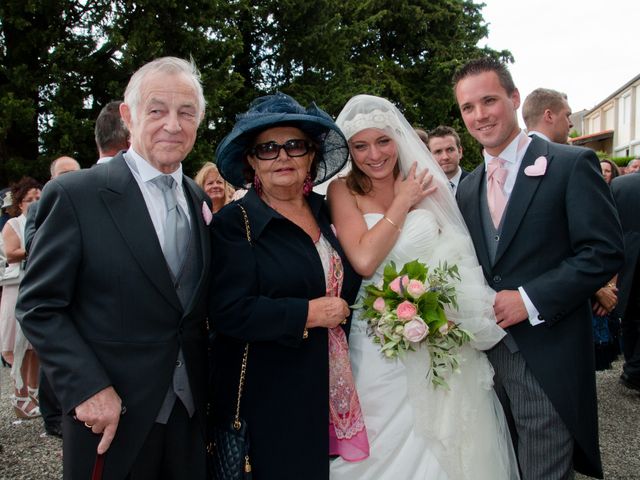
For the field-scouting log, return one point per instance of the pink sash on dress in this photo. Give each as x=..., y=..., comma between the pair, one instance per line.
x=347, y=431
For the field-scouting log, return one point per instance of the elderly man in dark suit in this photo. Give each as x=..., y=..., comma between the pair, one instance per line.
x=626, y=192
x=113, y=297
x=547, y=236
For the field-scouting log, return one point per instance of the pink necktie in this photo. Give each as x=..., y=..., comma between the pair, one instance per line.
x=496, y=198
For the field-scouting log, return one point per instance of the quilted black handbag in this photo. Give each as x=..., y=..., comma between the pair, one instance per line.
x=229, y=443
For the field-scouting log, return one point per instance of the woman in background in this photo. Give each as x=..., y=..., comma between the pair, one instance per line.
x=15, y=348
x=609, y=170
x=220, y=192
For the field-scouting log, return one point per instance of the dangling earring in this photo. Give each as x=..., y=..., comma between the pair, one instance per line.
x=308, y=185
x=257, y=185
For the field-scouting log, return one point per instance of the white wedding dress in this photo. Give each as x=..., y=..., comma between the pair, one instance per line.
x=417, y=431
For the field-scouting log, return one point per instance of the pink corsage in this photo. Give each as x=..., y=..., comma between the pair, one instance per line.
x=206, y=213
x=537, y=169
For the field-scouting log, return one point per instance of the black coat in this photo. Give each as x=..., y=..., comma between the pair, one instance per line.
x=260, y=294
x=98, y=304
x=626, y=192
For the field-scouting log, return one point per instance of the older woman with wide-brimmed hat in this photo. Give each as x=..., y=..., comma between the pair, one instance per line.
x=283, y=285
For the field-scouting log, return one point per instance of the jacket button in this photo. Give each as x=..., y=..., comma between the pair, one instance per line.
x=178, y=363
x=497, y=278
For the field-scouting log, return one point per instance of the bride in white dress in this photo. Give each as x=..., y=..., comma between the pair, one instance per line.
x=396, y=204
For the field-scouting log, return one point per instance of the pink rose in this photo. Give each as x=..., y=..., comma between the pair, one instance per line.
x=415, y=288
x=415, y=330
x=379, y=305
x=406, y=310
x=395, y=283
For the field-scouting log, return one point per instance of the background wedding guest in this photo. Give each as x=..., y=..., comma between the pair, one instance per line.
x=423, y=136
x=547, y=236
x=49, y=404
x=209, y=179
x=15, y=348
x=609, y=170
x=444, y=144
x=111, y=134
x=547, y=114
x=113, y=296
x=626, y=191
x=295, y=300
x=633, y=166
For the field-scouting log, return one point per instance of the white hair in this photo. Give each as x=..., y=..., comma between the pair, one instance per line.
x=170, y=65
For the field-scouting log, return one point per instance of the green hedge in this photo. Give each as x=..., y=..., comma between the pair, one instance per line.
x=620, y=161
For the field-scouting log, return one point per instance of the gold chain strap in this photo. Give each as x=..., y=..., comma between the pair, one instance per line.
x=243, y=368
x=246, y=224
x=243, y=371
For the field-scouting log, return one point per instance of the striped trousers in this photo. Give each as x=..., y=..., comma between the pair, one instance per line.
x=543, y=444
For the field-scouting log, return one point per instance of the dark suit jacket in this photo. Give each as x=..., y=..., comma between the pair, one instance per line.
x=561, y=241
x=261, y=294
x=98, y=304
x=626, y=192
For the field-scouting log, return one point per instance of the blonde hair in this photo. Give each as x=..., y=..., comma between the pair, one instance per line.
x=204, y=172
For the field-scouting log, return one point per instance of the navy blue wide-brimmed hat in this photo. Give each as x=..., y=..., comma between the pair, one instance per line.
x=272, y=111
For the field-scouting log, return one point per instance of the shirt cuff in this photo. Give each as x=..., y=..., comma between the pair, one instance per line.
x=532, y=311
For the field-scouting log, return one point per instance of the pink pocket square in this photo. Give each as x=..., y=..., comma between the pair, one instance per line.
x=537, y=169
x=206, y=213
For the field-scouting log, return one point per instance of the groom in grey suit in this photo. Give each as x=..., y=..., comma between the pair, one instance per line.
x=113, y=298
x=547, y=236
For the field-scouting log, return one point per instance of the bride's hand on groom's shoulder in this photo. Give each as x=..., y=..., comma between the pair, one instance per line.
x=415, y=187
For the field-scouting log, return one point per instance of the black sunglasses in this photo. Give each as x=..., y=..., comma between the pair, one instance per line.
x=271, y=150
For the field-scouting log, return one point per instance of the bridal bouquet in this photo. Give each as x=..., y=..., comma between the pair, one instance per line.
x=408, y=309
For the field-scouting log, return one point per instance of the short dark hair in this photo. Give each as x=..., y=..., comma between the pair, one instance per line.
x=485, y=64
x=111, y=132
x=444, y=131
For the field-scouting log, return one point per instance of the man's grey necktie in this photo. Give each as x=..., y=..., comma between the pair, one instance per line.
x=176, y=228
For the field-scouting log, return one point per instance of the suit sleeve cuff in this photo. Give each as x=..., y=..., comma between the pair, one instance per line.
x=534, y=315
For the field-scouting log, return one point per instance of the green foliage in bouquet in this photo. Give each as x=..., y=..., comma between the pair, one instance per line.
x=409, y=309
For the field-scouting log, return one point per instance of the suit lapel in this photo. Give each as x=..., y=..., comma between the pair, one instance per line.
x=522, y=194
x=127, y=207
x=473, y=215
x=202, y=230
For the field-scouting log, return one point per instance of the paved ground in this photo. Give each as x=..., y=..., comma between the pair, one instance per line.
x=26, y=453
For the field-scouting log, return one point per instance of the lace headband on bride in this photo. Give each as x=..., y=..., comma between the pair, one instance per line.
x=375, y=119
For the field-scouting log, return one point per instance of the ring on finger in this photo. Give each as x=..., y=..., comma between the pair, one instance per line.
x=344, y=322
x=87, y=425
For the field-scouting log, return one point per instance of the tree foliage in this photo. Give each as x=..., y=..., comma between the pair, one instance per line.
x=62, y=60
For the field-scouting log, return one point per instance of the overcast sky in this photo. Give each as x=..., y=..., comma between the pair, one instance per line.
x=587, y=49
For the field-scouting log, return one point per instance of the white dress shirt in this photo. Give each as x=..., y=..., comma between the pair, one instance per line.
x=513, y=159
x=538, y=134
x=144, y=173
x=455, y=181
